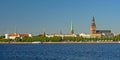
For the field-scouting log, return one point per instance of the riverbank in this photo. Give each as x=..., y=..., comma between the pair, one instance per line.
x=59, y=42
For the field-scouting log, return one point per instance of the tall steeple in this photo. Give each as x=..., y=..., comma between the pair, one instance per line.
x=44, y=34
x=93, y=20
x=15, y=30
x=72, y=30
x=93, y=26
x=60, y=32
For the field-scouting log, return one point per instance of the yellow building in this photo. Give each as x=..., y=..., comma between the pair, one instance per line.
x=99, y=35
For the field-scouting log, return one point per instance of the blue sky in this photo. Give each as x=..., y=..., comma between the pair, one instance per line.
x=53, y=16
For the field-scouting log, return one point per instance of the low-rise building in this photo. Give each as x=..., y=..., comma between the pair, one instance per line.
x=105, y=33
x=84, y=35
x=14, y=35
x=62, y=35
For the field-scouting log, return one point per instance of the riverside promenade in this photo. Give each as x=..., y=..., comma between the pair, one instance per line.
x=60, y=42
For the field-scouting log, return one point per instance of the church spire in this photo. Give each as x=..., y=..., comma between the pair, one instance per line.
x=15, y=30
x=93, y=26
x=93, y=19
x=72, y=30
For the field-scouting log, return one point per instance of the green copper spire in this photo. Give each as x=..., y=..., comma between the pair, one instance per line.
x=72, y=30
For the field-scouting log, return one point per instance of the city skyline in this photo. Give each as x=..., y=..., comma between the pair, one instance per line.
x=54, y=16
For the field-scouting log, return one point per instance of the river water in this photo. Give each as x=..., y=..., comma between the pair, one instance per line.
x=59, y=51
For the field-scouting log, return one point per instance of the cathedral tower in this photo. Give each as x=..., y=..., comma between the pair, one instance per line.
x=93, y=26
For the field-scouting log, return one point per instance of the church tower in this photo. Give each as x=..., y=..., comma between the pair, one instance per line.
x=72, y=30
x=93, y=26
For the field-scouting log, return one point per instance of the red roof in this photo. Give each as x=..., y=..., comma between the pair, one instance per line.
x=26, y=35
x=13, y=34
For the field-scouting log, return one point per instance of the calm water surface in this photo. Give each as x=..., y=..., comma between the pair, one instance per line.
x=59, y=51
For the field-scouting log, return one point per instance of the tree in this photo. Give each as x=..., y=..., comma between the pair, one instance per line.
x=18, y=39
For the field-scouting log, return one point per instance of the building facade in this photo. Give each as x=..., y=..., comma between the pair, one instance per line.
x=15, y=35
x=99, y=33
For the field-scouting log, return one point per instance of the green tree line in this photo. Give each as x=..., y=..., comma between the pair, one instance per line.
x=59, y=39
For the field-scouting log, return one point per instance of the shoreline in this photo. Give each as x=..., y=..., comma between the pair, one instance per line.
x=109, y=42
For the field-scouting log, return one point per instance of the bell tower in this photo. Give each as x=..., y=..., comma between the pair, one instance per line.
x=93, y=26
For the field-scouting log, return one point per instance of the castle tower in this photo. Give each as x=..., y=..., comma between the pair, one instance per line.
x=72, y=30
x=93, y=26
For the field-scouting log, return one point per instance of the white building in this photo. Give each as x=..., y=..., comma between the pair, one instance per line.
x=62, y=35
x=84, y=35
x=13, y=36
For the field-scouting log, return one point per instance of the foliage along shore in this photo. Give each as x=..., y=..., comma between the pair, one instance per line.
x=60, y=39
x=60, y=43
